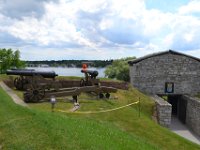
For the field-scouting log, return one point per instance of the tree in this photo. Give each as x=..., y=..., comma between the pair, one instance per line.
x=119, y=69
x=10, y=59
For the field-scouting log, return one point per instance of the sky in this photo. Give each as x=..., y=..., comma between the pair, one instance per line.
x=99, y=29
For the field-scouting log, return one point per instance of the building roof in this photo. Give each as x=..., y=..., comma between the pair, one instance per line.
x=159, y=54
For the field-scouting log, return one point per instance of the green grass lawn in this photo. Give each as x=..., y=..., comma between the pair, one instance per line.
x=37, y=128
x=126, y=119
x=23, y=128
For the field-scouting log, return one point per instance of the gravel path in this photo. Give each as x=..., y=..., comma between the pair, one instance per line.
x=10, y=92
x=182, y=130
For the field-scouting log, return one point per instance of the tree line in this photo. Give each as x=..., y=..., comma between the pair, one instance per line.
x=10, y=59
x=70, y=63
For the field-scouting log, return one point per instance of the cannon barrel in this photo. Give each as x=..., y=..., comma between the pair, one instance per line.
x=30, y=72
x=91, y=72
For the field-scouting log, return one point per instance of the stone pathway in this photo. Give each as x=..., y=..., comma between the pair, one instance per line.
x=10, y=92
x=182, y=130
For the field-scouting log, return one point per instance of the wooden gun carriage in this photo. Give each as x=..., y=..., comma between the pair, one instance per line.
x=42, y=85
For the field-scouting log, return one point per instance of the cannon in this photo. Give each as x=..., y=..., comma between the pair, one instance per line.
x=28, y=77
x=41, y=85
x=92, y=74
x=90, y=85
x=31, y=72
x=90, y=78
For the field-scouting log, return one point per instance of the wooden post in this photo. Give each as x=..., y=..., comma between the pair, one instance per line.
x=139, y=106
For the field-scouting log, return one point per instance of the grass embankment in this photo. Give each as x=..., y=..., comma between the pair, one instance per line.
x=23, y=128
x=38, y=128
x=126, y=119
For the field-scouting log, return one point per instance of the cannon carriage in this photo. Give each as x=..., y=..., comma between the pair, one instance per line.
x=90, y=78
x=42, y=85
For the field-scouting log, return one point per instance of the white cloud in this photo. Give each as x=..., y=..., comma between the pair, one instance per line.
x=192, y=7
x=104, y=28
x=56, y=26
x=60, y=22
x=156, y=21
x=185, y=34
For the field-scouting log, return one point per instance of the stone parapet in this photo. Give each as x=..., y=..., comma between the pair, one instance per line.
x=193, y=113
x=163, y=111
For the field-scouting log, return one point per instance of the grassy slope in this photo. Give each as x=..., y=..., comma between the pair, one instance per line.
x=127, y=119
x=91, y=131
x=22, y=128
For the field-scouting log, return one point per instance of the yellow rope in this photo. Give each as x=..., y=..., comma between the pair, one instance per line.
x=95, y=112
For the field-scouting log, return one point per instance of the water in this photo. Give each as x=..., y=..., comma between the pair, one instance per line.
x=64, y=71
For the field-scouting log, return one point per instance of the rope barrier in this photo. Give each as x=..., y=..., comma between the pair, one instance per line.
x=95, y=112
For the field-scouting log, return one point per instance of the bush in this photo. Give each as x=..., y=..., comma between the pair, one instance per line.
x=119, y=69
x=10, y=59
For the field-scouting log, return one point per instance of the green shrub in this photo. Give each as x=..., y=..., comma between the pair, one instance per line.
x=119, y=69
x=10, y=59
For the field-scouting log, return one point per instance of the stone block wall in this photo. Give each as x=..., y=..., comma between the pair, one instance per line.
x=151, y=74
x=76, y=83
x=164, y=111
x=193, y=113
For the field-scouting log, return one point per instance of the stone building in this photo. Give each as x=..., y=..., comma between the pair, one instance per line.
x=167, y=72
x=175, y=76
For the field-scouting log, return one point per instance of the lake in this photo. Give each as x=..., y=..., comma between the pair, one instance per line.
x=64, y=71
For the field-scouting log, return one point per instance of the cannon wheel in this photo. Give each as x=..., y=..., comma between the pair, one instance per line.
x=18, y=83
x=34, y=94
x=107, y=95
x=101, y=95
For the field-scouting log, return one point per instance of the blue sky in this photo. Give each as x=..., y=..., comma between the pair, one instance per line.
x=166, y=5
x=103, y=29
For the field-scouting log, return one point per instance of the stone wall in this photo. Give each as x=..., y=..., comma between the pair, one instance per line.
x=76, y=83
x=193, y=113
x=150, y=75
x=163, y=111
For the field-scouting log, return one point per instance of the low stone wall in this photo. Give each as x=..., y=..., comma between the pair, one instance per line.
x=193, y=113
x=76, y=83
x=118, y=85
x=163, y=111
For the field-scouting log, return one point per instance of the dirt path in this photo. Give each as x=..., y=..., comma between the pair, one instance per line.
x=10, y=92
